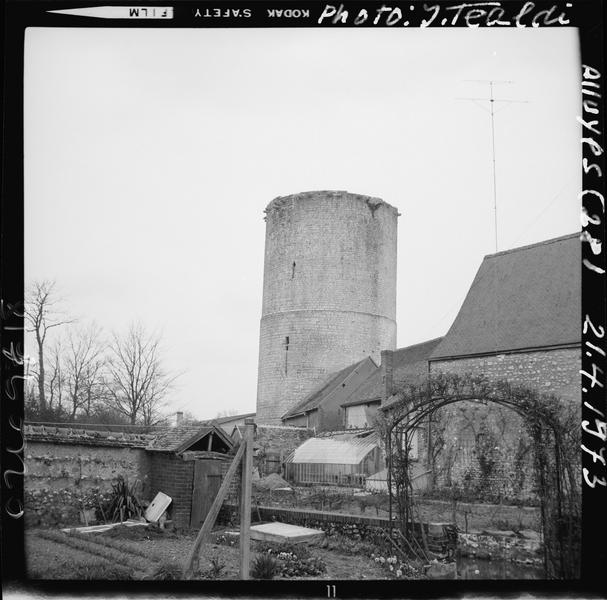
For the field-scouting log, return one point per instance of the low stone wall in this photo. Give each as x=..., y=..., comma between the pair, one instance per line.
x=441, y=537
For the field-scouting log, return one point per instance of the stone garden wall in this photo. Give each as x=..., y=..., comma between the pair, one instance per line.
x=69, y=471
x=273, y=443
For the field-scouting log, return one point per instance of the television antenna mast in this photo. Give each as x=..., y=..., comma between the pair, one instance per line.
x=492, y=100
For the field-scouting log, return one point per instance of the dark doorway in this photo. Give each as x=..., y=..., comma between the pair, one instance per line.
x=207, y=480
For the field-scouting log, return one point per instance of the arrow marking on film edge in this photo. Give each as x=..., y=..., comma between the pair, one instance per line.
x=119, y=12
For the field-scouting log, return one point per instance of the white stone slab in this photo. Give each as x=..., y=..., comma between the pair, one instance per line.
x=283, y=532
x=157, y=507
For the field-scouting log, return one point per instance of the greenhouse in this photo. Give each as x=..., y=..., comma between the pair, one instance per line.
x=345, y=459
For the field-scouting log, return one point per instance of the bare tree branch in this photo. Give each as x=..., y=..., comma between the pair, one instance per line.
x=83, y=366
x=137, y=384
x=41, y=314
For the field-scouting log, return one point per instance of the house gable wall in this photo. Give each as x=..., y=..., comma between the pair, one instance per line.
x=330, y=415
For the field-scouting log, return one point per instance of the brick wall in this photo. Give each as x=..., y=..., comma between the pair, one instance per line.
x=487, y=447
x=175, y=477
x=329, y=287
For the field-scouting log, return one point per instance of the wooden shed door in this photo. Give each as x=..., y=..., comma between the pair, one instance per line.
x=207, y=480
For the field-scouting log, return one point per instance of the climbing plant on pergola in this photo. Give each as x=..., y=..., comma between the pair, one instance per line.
x=555, y=446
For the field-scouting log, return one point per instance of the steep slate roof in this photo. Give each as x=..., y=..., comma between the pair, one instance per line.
x=180, y=439
x=313, y=400
x=528, y=297
x=409, y=363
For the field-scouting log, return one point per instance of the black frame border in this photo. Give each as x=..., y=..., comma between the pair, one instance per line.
x=587, y=15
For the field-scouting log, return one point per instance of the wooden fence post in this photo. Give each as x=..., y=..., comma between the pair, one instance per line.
x=245, y=501
x=207, y=526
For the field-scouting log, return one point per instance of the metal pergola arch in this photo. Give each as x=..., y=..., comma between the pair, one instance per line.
x=419, y=402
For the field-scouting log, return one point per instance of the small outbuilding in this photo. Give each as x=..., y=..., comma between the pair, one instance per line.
x=338, y=459
x=188, y=464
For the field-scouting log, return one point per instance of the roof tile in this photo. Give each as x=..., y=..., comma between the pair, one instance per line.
x=313, y=400
x=528, y=297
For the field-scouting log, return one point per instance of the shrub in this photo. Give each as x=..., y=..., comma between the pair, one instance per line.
x=166, y=571
x=217, y=566
x=123, y=502
x=293, y=566
x=397, y=568
x=300, y=550
x=264, y=566
x=293, y=560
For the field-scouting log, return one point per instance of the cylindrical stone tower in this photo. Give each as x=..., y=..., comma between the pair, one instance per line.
x=329, y=292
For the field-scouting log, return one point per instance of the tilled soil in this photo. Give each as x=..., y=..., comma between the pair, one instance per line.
x=137, y=553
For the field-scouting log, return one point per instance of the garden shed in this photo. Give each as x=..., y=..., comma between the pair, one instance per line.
x=338, y=459
x=188, y=464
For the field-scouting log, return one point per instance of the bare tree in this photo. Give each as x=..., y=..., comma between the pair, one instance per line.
x=42, y=314
x=94, y=389
x=56, y=378
x=83, y=367
x=137, y=384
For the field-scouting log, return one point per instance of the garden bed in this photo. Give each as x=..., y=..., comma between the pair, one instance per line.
x=151, y=553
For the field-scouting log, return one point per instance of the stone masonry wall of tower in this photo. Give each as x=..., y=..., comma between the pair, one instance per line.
x=329, y=292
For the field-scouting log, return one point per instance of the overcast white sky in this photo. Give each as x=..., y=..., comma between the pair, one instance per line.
x=151, y=154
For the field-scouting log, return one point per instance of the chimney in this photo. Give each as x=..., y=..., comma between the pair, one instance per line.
x=179, y=419
x=387, y=362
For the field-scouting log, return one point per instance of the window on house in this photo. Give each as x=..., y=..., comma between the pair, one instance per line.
x=356, y=416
